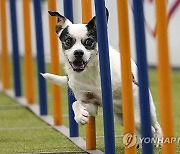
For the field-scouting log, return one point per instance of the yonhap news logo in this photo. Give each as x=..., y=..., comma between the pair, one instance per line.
x=130, y=140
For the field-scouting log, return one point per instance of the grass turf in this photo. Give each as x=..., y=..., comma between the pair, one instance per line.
x=59, y=143
x=22, y=132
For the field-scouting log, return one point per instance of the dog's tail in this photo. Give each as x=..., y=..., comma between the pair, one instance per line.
x=56, y=79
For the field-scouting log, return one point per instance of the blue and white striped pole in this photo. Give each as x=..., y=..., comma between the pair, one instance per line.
x=142, y=74
x=106, y=87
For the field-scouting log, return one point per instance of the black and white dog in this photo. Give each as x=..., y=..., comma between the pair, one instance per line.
x=80, y=51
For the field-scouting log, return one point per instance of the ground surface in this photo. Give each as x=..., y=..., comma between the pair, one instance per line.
x=22, y=132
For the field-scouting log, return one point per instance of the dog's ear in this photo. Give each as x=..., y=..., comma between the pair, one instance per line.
x=92, y=23
x=62, y=22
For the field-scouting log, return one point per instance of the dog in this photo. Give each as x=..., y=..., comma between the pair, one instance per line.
x=79, y=46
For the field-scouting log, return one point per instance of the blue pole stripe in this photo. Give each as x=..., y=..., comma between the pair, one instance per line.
x=142, y=74
x=105, y=76
x=16, y=65
x=73, y=126
x=40, y=57
x=68, y=9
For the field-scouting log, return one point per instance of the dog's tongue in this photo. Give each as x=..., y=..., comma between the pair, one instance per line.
x=78, y=65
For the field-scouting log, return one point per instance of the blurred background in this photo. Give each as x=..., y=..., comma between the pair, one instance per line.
x=150, y=24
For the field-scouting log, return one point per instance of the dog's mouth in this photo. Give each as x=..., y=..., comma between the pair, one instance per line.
x=78, y=65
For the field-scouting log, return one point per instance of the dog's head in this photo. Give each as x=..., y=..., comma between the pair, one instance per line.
x=78, y=41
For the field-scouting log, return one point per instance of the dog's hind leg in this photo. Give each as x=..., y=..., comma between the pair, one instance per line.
x=157, y=133
x=59, y=80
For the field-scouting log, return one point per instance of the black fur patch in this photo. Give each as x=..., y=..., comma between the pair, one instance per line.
x=134, y=80
x=64, y=33
x=66, y=39
x=92, y=36
x=89, y=43
x=92, y=32
x=90, y=97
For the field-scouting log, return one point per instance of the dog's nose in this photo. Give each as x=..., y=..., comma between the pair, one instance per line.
x=78, y=54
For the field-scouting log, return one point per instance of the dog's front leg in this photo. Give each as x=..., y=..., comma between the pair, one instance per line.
x=83, y=111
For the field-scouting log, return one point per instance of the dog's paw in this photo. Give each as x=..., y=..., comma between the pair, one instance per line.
x=159, y=138
x=81, y=115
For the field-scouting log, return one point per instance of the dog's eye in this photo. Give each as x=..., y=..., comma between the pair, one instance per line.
x=68, y=41
x=89, y=42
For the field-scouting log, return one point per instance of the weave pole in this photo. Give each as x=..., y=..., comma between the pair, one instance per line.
x=164, y=78
x=16, y=65
x=106, y=87
x=142, y=75
x=127, y=96
x=55, y=66
x=40, y=57
x=90, y=127
x=28, y=53
x=73, y=126
x=4, y=56
x=86, y=10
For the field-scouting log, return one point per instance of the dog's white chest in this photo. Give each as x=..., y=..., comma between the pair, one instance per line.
x=86, y=86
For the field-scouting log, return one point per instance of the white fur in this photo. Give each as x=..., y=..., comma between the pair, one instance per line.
x=59, y=80
x=88, y=82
